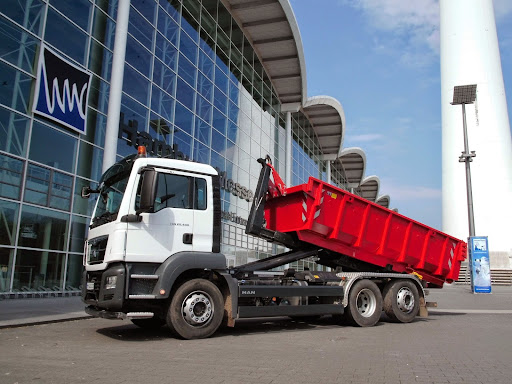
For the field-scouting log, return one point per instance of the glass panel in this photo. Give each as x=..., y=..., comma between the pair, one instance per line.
x=75, y=43
x=221, y=80
x=18, y=47
x=203, y=131
x=220, y=100
x=187, y=70
x=38, y=271
x=162, y=103
x=74, y=273
x=99, y=94
x=219, y=121
x=164, y=77
x=218, y=142
x=138, y=56
x=146, y=7
x=172, y=191
x=100, y=60
x=90, y=161
x=78, y=233
x=134, y=112
x=6, y=259
x=13, y=132
x=80, y=205
x=190, y=25
x=203, y=109
x=43, y=143
x=76, y=10
x=10, y=177
x=185, y=94
x=201, y=153
x=161, y=129
x=166, y=52
x=17, y=94
x=139, y=28
x=172, y=7
x=168, y=28
x=204, y=86
x=42, y=228
x=184, y=119
x=188, y=48
x=60, y=196
x=104, y=29
x=96, y=127
x=136, y=85
x=109, y=6
x=37, y=185
x=205, y=65
x=184, y=142
x=8, y=222
x=17, y=10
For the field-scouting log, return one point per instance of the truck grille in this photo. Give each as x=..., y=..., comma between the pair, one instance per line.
x=96, y=250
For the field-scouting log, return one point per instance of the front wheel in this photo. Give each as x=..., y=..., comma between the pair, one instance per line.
x=196, y=310
x=401, y=301
x=364, y=304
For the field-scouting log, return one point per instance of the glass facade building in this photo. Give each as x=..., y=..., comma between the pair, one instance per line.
x=192, y=81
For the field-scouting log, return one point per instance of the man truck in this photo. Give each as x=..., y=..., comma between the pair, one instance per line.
x=152, y=254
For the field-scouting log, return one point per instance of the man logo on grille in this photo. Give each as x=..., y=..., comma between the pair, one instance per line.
x=61, y=92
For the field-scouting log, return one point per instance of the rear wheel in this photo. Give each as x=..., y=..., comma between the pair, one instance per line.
x=401, y=301
x=364, y=304
x=152, y=323
x=196, y=310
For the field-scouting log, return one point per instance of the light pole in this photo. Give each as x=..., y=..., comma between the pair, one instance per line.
x=462, y=95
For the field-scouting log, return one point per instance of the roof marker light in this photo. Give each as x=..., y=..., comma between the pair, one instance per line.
x=141, y=151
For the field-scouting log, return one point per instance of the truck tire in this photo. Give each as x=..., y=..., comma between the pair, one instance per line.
x=153, y=323
x=196, y=310
x=401, y=301
x=364, y=304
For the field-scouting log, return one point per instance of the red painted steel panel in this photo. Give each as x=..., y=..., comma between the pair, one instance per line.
x=332, y=218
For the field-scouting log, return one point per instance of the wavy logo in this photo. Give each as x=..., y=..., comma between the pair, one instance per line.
x=62, y=90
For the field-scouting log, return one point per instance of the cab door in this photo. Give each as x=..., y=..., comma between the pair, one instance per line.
x=170, y=227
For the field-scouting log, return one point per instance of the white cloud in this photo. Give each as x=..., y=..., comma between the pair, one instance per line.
x=409, y=192
x=416, y=21
x=366, y=137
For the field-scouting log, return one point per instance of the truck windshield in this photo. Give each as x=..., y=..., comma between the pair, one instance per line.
x=111, y=191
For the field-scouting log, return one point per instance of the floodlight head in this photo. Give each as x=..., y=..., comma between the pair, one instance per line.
x=464, y=94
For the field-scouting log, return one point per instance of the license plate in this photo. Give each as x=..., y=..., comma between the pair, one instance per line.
x=90, y=286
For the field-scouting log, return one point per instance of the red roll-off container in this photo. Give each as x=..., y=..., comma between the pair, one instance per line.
x=334, y=219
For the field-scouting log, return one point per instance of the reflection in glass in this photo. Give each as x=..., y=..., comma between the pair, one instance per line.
x=75, y=43
x=38, y=271
x=74, y=273
x=8, y=222
x=18, y=47
x=139, y=28
x=26, y=13
x=10, y=177
x=80, y=205
x=78, y=233
x=43, y=228
x=43, y=143
x=16, y=90
x=13, y=132
x=136, y=85
x=6, y=259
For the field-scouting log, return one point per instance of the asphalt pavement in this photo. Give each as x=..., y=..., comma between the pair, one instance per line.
x=450, y=299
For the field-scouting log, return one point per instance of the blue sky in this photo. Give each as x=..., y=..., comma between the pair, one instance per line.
x=380, y=59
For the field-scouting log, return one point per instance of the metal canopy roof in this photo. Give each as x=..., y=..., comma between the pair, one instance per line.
x=384, y=201
x=272, y=29
x=369, y=188
x=352, y=164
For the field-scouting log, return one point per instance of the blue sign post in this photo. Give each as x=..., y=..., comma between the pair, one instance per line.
x=479, y=264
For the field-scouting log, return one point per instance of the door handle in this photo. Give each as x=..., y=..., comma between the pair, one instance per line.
x=187, y=238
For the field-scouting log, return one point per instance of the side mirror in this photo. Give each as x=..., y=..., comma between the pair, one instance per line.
x=86, y=192
x=147, y=190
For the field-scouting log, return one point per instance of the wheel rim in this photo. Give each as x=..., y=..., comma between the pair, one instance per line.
x=366, y=302
x=197, y=308
x=405, y=300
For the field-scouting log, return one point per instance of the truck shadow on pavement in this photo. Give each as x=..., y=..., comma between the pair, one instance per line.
x=130, y=332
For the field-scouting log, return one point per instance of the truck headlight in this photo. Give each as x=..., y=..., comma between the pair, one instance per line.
x=111, y=282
